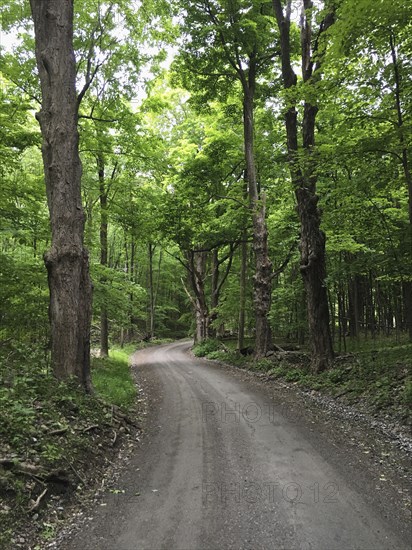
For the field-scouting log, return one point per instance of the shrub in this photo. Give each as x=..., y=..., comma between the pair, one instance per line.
x=206, y=347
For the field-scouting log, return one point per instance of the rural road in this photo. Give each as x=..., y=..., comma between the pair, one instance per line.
x=225, y=465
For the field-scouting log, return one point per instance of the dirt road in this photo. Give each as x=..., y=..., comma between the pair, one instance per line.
x=226, y=464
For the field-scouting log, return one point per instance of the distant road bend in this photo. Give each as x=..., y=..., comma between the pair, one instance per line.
x=224, y=466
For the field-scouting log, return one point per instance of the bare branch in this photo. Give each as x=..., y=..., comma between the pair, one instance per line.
x=97, y=119
x=284, y=264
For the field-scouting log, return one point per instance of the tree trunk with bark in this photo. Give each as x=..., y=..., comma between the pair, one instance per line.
x=313, y=270
x=214, y=294
x=196, y=267
x=407, y=284
x=202, y=310
x=242, y=291
x=262, y=287
x=304, y=179
x=67, y=260
x=104, y=321
x=218, y=279
x=151, y=319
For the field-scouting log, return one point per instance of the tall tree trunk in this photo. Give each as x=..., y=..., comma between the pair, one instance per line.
x=407, y=284
x=151, y=291
x=242, y=298
x=132, y=278
x=218, y=281
x=67, y=260
x=313, y=269
x=198, y=276
x=312, y=243
x=214, y=295
x=104, y=321
x=263, y=266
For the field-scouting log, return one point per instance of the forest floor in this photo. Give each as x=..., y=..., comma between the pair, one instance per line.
x=58, y=445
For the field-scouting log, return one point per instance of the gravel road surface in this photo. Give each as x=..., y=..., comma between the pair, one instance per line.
x=228, y=464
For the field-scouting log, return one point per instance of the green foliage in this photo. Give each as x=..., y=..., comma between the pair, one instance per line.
x=219, y=38
x=45, y=423
x=23, y=297
x=378, y=377
x=33, y=403
x=208, y=346
x=226, y=354
x=112, y=378
x=214, y=355
x=121, y=296
x=174, y=171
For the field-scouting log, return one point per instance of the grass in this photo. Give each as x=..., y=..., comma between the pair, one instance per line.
x=112, y=378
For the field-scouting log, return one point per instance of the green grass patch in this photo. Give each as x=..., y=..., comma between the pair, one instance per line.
x=112, y=378
x=381, y=378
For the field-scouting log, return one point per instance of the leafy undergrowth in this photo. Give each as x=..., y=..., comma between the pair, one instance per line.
x=56, y=442
x=378, y=375
x=221, y=351
x=111, y=380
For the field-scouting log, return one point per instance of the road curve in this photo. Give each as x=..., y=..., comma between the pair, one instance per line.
x=225, y=466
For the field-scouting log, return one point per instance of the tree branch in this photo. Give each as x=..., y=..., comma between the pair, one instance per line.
x=97, y=119
x=284, y=264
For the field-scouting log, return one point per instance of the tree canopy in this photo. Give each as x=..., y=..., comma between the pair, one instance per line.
x=228, y=148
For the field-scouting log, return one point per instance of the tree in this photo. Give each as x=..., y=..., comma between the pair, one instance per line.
x=376, y=40
x=203, y=215
x=67, y=260
x=303, y=170
x=232, y=42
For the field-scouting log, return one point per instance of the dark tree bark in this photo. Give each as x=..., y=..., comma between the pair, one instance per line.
x=355, y=306
x=198, y=276
x=214, y=295
x=151, y=319
x=132, y=278
x=242, y=292
x=304, y=179
x=246, y=72
x=196, y=268
x=67, y=260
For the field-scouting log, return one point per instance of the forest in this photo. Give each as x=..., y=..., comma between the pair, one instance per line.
x=236, y=172
x=245, y=172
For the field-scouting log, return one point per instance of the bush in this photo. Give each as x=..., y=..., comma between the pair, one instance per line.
x=206, y=347
x=294, y=375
